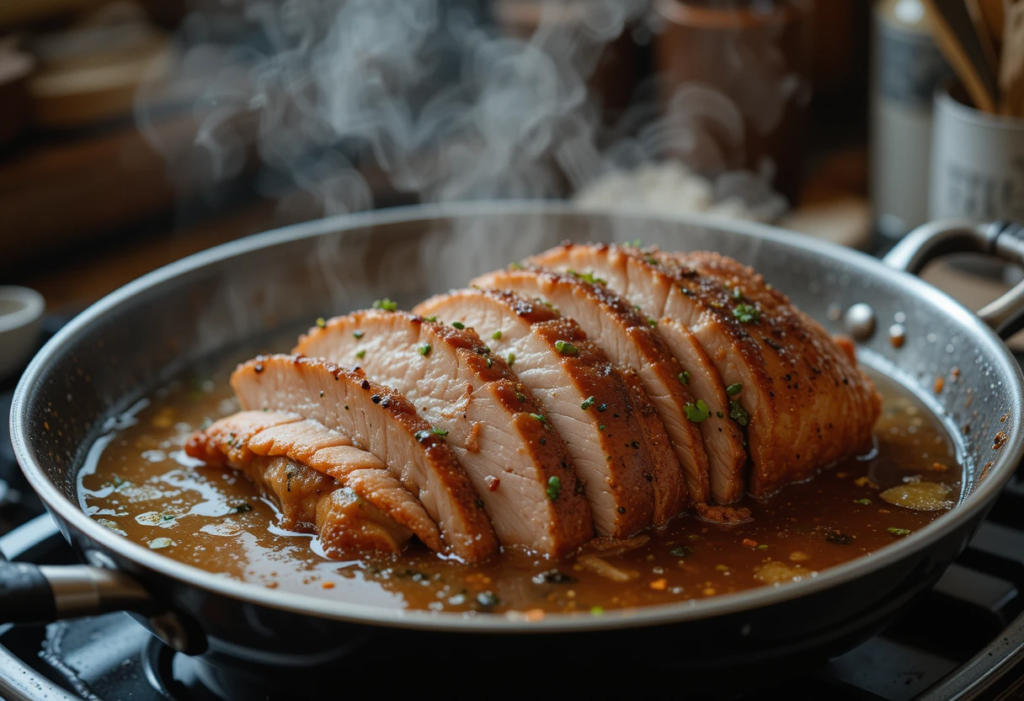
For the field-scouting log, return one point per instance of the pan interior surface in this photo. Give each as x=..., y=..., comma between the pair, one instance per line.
x=139, y=337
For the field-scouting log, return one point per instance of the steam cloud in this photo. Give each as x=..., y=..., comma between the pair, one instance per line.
x=444, y=103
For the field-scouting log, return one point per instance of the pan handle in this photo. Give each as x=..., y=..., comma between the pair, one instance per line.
x=42, y=593
x=45, y=593
x=1001, y=239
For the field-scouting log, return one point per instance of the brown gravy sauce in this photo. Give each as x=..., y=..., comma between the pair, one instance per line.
x=139, y=483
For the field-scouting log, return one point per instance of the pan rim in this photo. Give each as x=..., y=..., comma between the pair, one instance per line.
x=663, y=614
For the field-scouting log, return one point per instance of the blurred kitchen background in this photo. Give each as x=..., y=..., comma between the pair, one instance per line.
x=135, y=132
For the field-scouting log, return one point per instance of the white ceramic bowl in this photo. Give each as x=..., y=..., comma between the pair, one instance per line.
x=21, y=313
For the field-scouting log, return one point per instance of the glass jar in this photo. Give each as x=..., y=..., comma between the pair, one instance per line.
x=907, y=67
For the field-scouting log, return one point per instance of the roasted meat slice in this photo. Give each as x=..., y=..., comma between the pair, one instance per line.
x=723, y=439
x=346, y=522
x=802, y=405
x=625, y=472
x=827, y=407
x=311, y=502
x=252, y=440
x=518, y=462
x=382, y=422
x=630, y=341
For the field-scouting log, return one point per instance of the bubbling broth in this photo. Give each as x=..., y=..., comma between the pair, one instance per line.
x=143, y=487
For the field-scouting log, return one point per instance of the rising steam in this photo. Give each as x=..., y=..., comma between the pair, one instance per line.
x=437, y=97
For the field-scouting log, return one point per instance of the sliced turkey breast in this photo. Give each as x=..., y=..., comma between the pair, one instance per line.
x=739, y=340
x=723, y=439
x=586, y=400
x=630, y=341
x=827, y=408
x=518, y=462
x=251, y=440
x=382, y=422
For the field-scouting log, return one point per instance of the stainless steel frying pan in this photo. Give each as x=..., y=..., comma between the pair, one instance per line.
x=234, y=295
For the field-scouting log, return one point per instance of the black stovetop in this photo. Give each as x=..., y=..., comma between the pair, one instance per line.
x=962, y=640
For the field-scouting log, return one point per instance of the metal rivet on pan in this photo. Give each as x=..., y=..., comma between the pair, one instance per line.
x=860, y=321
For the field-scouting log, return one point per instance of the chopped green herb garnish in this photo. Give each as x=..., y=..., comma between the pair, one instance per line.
x=719, y=414
x=361, y=354
x=746, y=313
x=459, y=325
x=681, y=551
x=422, y=435
x=566, y=348
x=684, y=377
x=733, y=390
x=596, y=611
x=737, y=293
x=738, y=414
x=865, y=502
x=511, y=359
x=515, y=266
x=762, y=546
x=117, y=481
x=358, y=334
x=650, y=260
x=635, y=243
x=439, y=432
x=242, y=508
x=602, y=408
x=554, y=488
x=424, y=349
x=496, y=335
x=539, y=417
x=587, y=403
x=167, y=517
x=430, y=318
x=600, y=427
x=160, y=543
x=321, y=322
x=652, y=322
x=697, y=413
x=587, y=277
x=385, y=304
x=489, y=362
x=520, y=396
x=899, y=531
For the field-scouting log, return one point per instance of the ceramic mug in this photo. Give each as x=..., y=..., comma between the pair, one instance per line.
x=977, y=162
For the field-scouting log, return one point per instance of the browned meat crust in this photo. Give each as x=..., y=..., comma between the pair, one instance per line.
x=826, y=407
x=379, y=420
x=584, y=396
x=492, y=405
x=319, y=461
x=620, y=331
